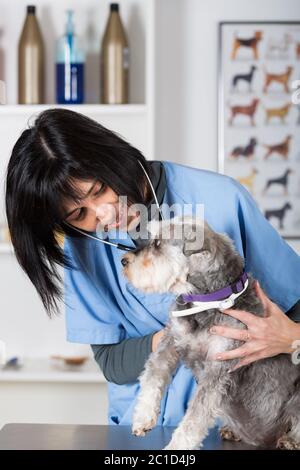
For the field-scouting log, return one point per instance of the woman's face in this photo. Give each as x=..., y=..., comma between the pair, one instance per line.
x=100, y=208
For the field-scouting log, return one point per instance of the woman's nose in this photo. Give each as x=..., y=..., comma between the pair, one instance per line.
x=101, y=211
x=105, y=213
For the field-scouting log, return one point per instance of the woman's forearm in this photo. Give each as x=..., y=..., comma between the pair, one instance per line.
x=123, y=362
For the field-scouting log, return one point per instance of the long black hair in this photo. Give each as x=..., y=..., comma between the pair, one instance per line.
x=61, y=146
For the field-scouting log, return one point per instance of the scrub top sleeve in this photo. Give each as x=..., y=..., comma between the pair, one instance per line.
x=268, y=257
x=88, y=318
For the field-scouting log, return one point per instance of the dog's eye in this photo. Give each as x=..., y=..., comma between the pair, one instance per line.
x=157, y=243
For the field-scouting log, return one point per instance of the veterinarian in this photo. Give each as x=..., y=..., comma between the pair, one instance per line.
x=65, y=174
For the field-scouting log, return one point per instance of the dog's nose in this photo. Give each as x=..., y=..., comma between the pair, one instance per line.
x=124, y=261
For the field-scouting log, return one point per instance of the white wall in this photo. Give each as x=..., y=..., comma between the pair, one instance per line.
x=187, y=45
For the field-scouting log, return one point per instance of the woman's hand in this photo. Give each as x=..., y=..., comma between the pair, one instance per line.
x=156, y=339
x=265, y=337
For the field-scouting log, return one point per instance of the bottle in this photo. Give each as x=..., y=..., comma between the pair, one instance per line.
x=114, y=60
x=31, y=61
x=70, y=58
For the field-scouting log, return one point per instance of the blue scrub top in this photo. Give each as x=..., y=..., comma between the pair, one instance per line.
x=102, y=307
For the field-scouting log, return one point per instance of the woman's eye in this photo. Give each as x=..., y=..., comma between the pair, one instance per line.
x=101, y=190
x=80, y=214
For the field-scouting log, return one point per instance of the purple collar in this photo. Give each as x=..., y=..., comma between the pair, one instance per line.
x=221, y=294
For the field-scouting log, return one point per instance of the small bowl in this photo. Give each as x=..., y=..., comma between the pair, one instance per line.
x=71, y=360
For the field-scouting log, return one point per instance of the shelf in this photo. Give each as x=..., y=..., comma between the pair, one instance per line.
x=118, y=109
x=42, y=370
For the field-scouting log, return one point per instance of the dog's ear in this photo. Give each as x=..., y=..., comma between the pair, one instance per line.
x=205, y=254
x=200, y=261
x=225, y=238
x=194, y=235
x=187, y=229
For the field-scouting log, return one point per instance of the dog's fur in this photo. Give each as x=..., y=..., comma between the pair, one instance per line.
x=244, y=151
x=249, y=43
x=282, y=180
x=244, y=77
x=282, y=148
x=281, y=113
x=279, y=214
x=249, y=180
x=279, y=47
x=282, y=78
x=259, y=402
x=247, y=110
x=298, y=51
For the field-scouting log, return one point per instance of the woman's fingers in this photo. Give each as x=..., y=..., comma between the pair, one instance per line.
x=227, y=332
x=232, y=354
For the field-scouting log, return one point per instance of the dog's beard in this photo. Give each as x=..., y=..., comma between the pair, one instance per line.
x=158, y=272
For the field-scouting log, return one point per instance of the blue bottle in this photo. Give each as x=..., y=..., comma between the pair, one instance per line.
x=69, y=66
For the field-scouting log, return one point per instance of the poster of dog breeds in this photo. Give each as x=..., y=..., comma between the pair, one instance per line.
x=259, y=116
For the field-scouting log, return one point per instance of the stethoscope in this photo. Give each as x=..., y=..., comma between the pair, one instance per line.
x=120, y=246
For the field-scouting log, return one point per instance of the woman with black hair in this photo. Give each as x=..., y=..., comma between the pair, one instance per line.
x=67, y=175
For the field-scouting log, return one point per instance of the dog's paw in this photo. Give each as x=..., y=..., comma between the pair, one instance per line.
x=170, y=446
x=178, y=444
x=286, y=442
x=228, y=435
x=143, y=424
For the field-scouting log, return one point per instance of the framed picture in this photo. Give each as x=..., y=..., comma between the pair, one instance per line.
x=259, y=116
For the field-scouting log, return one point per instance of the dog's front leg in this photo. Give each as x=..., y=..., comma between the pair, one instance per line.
x=153, y=381
x=201, y=413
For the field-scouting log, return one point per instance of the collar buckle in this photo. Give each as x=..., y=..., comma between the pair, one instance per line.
x=227, y=303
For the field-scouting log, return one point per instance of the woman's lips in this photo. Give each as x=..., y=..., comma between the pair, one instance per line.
x=119, y=220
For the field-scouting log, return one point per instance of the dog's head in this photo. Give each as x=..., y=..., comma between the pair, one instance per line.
x=288, y=205
x=253, y=141
x=180, y=251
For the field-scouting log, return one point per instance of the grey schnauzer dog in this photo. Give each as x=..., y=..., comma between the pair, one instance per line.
x=258, y=403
